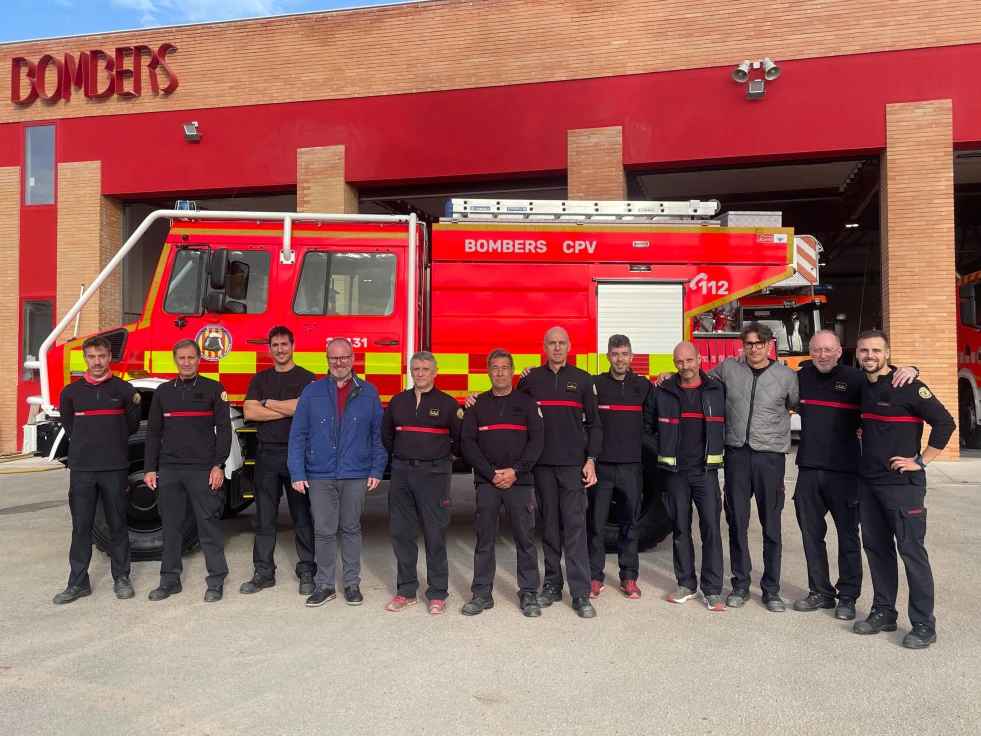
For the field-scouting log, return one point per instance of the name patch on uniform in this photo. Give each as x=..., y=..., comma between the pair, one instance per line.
x=516, y=411
x=883, y=403
x=925, y=392
x=434, y=412
x=570, y=386
x=840, y=386
x=459, y=413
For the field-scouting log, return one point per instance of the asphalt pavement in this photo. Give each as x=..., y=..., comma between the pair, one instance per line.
x=265, y=664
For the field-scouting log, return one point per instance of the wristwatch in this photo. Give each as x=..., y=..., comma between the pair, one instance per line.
x=262, y=403
x=590, y=457
x=919, y=461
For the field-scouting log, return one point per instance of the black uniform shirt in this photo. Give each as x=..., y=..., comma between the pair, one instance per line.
x=892, y=426
x=691, y=429
x=430, y=431
x=621, y=410
x=567, y=398
x=278, y=386
x=501, y=432
x=98, y=419
x=830, y=414
x=189, y=426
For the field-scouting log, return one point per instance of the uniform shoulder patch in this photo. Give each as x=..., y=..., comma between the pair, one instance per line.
x=540, y=412
x=136, y=398
x=459, y=413
x=224, y=396
x=594, y=390
x=925, y=392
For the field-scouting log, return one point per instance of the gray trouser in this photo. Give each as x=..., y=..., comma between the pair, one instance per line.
x=336, y=507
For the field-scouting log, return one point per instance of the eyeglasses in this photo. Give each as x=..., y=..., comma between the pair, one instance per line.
x=759, y=344
x=825, y=351
x=340, y=358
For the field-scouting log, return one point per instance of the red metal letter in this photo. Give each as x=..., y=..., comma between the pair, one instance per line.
x=122, y=73
x=39, y=81
x=162, y=52
x=76, y=75
x=92, y=91
x=16, y=64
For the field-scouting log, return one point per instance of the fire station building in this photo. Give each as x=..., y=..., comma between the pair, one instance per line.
x=860, y=121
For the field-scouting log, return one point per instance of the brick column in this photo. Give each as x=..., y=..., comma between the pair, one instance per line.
x=320, y=184
x=90, y=231
x=917, y=226
x=595, y=164
x=10, y=368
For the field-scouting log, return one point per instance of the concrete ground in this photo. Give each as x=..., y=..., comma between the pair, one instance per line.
x=265, y=664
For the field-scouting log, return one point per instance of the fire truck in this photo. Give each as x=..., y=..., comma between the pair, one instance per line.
x=492, y=273
x=969, y=359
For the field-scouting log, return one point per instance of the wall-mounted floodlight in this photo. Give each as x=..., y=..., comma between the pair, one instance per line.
x=756, y=88
x=191, y=134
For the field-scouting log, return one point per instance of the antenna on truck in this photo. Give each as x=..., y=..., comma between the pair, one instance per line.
x=544, y=210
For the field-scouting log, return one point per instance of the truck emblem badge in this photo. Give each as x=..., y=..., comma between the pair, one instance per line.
x=215, y=342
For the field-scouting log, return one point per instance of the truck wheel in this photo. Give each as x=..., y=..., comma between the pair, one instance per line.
x=968, y=417
x=653, y=524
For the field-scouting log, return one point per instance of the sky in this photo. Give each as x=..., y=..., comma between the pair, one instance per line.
x=22, y=20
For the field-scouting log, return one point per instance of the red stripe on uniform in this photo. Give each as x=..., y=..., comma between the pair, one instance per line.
x=615, y=407
x=489, y=427
x=882, y=418
x=189, y=414
x=666, y=420
x=427, y=430
x=833, y=404
x=97, y=412
x=692, y=415
x=715, y=419
x=576, y=404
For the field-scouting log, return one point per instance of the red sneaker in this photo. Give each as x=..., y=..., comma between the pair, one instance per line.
x=595, y=588
x=400, y=603
x=629, y=589
x=437, y=607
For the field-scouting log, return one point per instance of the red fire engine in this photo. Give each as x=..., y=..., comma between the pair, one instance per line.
x=969, y=359
x=493, y=274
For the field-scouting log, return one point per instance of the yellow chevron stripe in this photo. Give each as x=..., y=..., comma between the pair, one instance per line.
x=237, y=361
x=383, y=363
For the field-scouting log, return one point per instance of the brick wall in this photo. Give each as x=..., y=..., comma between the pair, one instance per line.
x=89, y=234
x=917, y=225
x=458, y=44
x=320, y=185
x=596, y=164
x=9, y=307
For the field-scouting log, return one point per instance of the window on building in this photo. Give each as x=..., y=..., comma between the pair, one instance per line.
x=39, y=173
x=38, y=321
x=189, y=283
x=355, y=284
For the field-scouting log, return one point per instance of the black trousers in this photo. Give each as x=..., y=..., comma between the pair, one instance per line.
x=84, y=490
x=895, y=516
x=622, y=482
x=519, y=503
x=174, y=488
x=820, y=491
x=563, y=500
x=700, y=487
x=272, y=478
x=749, y=473
x=420, y=492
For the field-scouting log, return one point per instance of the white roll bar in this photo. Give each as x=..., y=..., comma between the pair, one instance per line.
x=286, y=256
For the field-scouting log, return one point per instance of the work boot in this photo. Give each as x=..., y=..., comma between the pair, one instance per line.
x=72, y=593
x=320, y=596
x=846, y=608
x=307, y=586
x=400, y=603
x=165, y=591
x=214, y=593
x=352, y=594
x=920, y=637
x=813, y=602
x=256, y=584
x=477, y=605
x=528, y=603
x=737, y=598
x=550, y=594
x=774, y=603
x=595, y=588
x=123, y=588
x=879, y=620
x=714, y=602
x=583, y=608
x=681, y=594
x=629, y=589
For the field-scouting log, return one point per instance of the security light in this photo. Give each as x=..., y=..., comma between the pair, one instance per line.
x=191, y=134
x=756, y=90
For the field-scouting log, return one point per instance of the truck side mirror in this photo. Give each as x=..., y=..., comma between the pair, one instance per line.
x=214, y=303
x=218, y=268
x=238, y=280
x=967, y=306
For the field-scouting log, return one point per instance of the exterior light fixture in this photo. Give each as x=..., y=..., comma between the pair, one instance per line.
x=191, y=134
x=756, y=88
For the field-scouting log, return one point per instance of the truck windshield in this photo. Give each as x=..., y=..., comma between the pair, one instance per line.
x=189, y=282
x=346, y=284
x=792, y=327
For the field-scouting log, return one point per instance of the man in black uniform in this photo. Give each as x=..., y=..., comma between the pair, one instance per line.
x=271, y=401
x=566, y=396
x=687, y=411
x=188, y=438
x=892, y=488
x=621, y=394
x=99, y=412
x=421, y=428
x=503, y=435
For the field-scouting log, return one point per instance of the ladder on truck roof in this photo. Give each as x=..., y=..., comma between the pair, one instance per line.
x=544, y=210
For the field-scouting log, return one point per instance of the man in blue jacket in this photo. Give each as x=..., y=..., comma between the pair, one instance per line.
x=335, y=454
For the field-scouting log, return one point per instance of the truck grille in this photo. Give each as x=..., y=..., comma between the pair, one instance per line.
x=117, y=341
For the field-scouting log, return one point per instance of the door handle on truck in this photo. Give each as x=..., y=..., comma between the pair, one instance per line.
x=258, y=341
x=386, y=342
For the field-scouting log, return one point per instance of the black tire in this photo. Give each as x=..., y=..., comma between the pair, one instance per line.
x=967, y=418
x=142, y=517
x=653, y=524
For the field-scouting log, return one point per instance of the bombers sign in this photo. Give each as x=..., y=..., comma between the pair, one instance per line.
x=97, y=74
